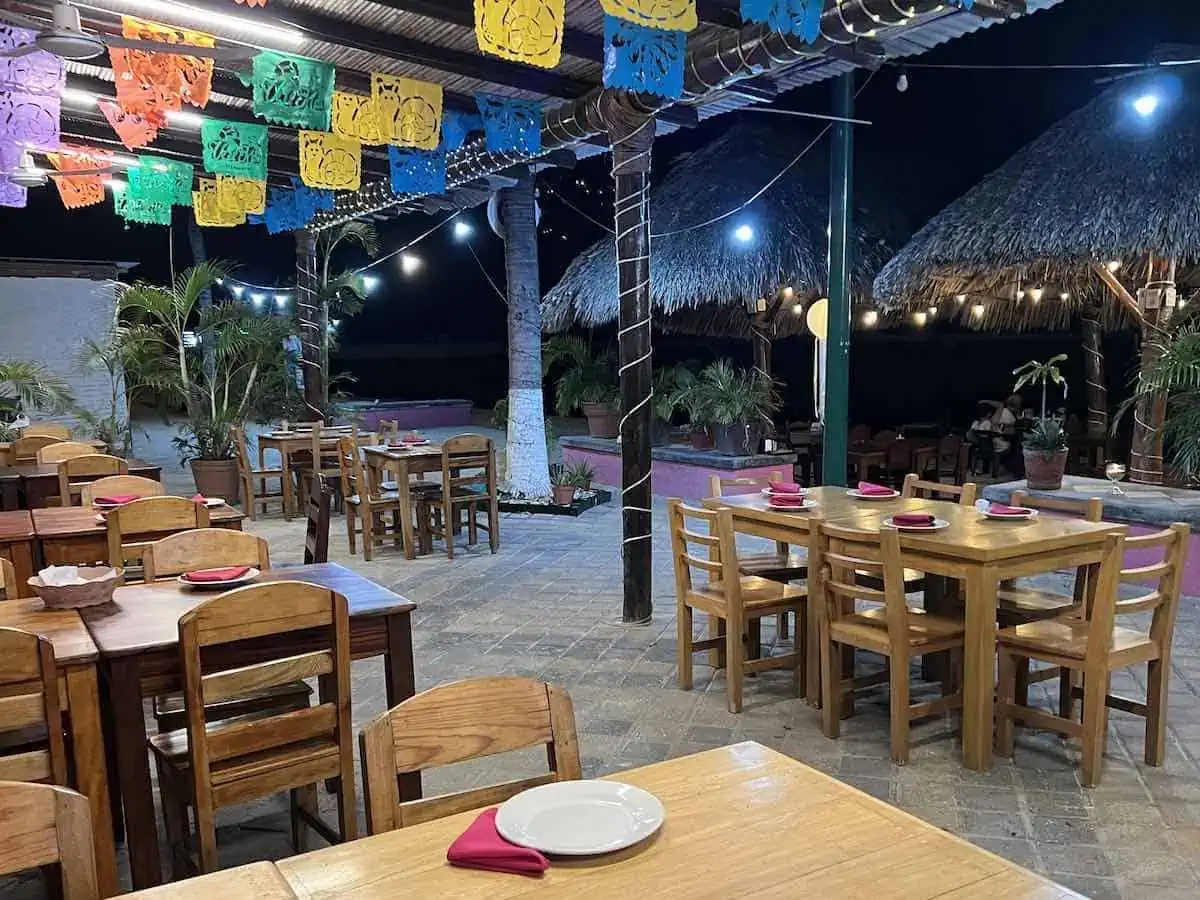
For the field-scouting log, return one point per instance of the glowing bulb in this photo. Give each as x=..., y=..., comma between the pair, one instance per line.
x=744, y=233
x=960, y=298
x=870, y=318
x=788, y=293
x=1020, y=294
x=977, y=310
x=798, y=309
x=902, y=82
x=370, y=282
x=184, y=119
x=462, y=229
x=1114, y=265
x=1035, y=294
x=933, y=310
x=409, y=264
x=242, y=26
x=919, y=319
x=238, y=290
x=257, y=299
x=1145, y=105
x=281, y=299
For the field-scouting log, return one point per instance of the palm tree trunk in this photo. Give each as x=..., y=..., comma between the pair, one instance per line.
x=526, y=466
x=200, y=255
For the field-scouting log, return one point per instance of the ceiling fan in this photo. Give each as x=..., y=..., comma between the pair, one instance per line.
x=29, y=175
x=65, y=37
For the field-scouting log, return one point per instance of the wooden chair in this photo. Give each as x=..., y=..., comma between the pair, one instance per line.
x=1094, y=646
x=57, y=452
x=963, y=494
x=730, y=596
x=456, y=722
x=47, y=429
x=324, y=459
x=362, y=503
x=31, y=728
x=316, y=535
x=468, y=462
x=134, y=526
x=74, y=473
x=119, y=486
x=389, y=430
x=858, y=434
x=25, y=450
x=209, y=766
x=889, y=628
x=254, y=480
x=8, y=581
x=46, y=825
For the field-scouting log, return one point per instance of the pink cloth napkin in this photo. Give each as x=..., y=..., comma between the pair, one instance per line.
x=912, y=519
x=482, y=847
x=788, y=500
x=229, y=573
x=117, y=499
x=873, y=490
x=198, y=498
x=999, y=509
x=784, y=487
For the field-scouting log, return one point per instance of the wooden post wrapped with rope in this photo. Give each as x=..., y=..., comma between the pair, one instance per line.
x=1156, y=302
x=632, y=137
x=1093, y=373
x=309, y=315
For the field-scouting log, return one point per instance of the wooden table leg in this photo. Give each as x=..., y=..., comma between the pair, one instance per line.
x=406, y=513
x=286, y=485
x=979, y=668
x=91, y=769
x=401, y=683
x=141, y=829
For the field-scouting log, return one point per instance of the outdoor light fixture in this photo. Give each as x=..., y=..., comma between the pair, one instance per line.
x=245, y=28
x=798, y=309
x=370, y=282
x=1114, y=265
x=933, y=310
x=789, y=292
x=870, y=318
x=744, y=233
x=281, y=299
x=409, y=264
x=257, y=298
x=117, y=187
x=1020, y=293
x=919, y=319
x=902, y=81
x=1146, y=104
x=977, y=310
x=334, y=323
x=760, y=305
x=1035, y=294
x=78, y=97
x=462, y=229
x=190, y=339
x=238, y=290
x=221, y=282
x=1064, y=296
x=960, y=298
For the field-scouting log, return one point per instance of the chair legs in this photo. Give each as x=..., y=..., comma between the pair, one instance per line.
x=683, y=645
x=831, y=686
x=1095, y=726
x=303, y=800
x=1006, y=695
x=735, y=648
x=898, y=699
x=1157, y=678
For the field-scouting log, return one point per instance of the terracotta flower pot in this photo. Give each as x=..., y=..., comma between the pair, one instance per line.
x=217, y=478
x=564, y=494
x=701, y=439
x=1043, y=474
x=602, y=419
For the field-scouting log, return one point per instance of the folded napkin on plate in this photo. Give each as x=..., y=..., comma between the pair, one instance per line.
x=784, y=487
x=912, y=519
x=227, y=574
x=198, y=498
x=117, y=499
x=999, y=509
x=482, y=847
x=865, y=487
x=788, y=499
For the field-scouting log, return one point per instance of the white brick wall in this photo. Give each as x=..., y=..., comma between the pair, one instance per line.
x=46, y=319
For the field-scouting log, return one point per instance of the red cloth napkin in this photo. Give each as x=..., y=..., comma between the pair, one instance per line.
x=413, y=438
x=198, y=498
x=999, y=509
x=784, y=487
x=874, y=490
x=788, y=499
x=117, y=499
x=227, y=574
x=912, y=519
x=482, y=847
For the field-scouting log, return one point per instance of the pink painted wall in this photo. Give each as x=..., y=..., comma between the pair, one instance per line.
x=669, y=479
x=1191, y=567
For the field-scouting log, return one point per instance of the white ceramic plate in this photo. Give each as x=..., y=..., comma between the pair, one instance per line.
x=580, y=818
x=232, y=582
x=214, y=502
x=1000, y=517
x=767, y=492
x=859, y=495
x=938, y=525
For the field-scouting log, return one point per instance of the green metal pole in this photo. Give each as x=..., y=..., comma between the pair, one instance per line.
x=837, y=361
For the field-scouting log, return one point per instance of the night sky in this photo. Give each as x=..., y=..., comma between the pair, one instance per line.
x=927, y=145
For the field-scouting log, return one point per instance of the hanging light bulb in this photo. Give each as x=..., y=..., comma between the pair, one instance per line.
x=1020, y=293
x=933, y=311
x=1064, y=296
x=1114, y=265
x=1035, y=294
x=870, y=318
x=789, y=292
x=798, y=309
x=960, y=298
x=902, y=81
x=977, y=310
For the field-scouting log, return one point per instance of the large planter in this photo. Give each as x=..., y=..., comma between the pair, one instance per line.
x=738, y=439
x=700, y=438
x=1043, y=474
x=217, y=478
x=564, y=494
x=602, y=419
x=660, y=432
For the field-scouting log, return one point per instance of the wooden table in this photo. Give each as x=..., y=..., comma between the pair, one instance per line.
x=75, y=535
x=139, y=642
x=17, y=542
x=39, y=481
x=256, y=881
x=403, y=462
x=978, y=551
x=285, y=443
x=10, y=488
x=79, y=696
x=860, y=459
x=7, y=459
x=742, y=821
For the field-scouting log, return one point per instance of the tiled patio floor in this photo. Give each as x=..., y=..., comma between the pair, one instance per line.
x=546, y=607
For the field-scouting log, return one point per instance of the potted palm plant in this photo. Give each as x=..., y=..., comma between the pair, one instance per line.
x=669, y=385
x=737, y=405
x=28, y=385
x=224, y=364
x=587, y=381
x=562, y=481
x=1045, y=444
x=1175, y=378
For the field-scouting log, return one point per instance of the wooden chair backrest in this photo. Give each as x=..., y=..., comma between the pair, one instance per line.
x=745, y=484
x=316, y=535
x=468, y=460
x=47, y=429
x=118, y=486
x=74, y=472
x=204, y=548
x=26, y=449
x=914, y=487
x=354, y=479
x=243, y=455
x=8, y=581
x=858, y=434
x=1089, y=508
x=719, y=557
x=29, y=699
x=899, y=454
x=57, y=452
x=42, y=825
x=1167, y=573
x=883, y=438
x=324, y=448
x=460, y=721
x=132, y=527
x=389, y=430
x=842, y=556
x=258, y=611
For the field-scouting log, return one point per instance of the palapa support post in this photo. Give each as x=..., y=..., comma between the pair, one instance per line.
x=631, y=134
x=837, y=348
x=1093, y=373
x=309, y=314
x=1156, y=301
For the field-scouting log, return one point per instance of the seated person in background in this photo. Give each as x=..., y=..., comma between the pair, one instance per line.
x=1004, y=423
x=979, y=436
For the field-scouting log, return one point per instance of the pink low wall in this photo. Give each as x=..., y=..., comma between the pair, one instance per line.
x=1191, y=568
x=669, y=479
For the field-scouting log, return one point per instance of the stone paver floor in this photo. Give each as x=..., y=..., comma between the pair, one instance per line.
x=546, y=607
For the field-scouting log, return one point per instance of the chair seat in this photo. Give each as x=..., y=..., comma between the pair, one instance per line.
x=1032, y=604
x=1068, y=637
x=385, y=497
x=757, y=594
x=172, y=748
x=868, y=629
x=774, y=566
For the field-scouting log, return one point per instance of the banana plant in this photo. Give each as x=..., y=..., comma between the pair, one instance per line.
x=1035, y=373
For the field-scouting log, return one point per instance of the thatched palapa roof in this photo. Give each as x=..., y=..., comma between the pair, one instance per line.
x=1104, y=184
x=701, y=279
